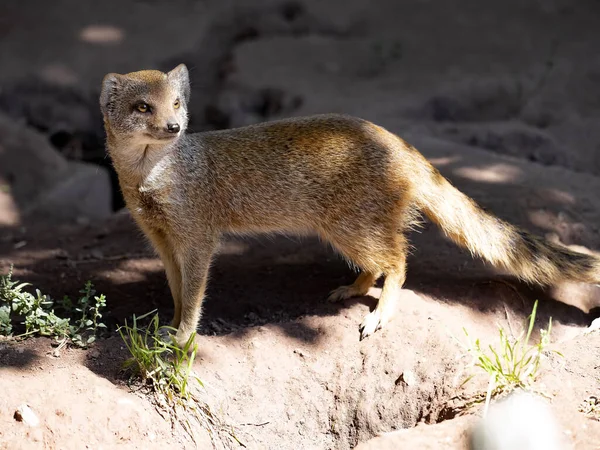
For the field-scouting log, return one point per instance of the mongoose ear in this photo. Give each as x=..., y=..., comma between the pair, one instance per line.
x=182, y=76
x=110, y=85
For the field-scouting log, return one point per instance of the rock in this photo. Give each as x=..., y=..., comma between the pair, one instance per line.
x=445, y=435
x=26, y=415
x=239, y=106
x=97, y=254
x=36, y=179
x=85, y=192
x=512, y=138
x=301, y=353
x=68, y=115
x=594, y=326
x=521, y=421
x=407, y=377
x=28, y=166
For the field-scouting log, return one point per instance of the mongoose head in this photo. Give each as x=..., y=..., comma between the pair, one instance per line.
x=146, y=107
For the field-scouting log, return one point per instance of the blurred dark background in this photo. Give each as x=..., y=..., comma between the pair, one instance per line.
x=518, y=77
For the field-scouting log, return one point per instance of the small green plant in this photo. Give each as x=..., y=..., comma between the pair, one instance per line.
x=514, y=364
x=165, y=371
x=86, y=315
x=36, y=314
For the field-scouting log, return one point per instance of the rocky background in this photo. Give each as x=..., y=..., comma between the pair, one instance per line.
x=503, y=97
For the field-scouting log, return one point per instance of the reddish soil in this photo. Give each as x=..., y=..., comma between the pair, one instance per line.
x=500, y=97
x=281, y=364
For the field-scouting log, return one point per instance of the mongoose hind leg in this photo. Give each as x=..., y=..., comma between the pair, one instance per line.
x=384, y=310
x=377, y=251
x=360, y=287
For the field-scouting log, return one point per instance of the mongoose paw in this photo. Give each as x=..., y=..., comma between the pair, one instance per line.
x=344, y=293
x=181, y=340
x=164, y=335
x=370, y=324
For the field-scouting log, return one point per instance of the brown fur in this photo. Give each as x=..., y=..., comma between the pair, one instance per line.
x=353, y=183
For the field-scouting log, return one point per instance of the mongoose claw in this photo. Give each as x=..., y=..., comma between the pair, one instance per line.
x=341, y=293
x=346, y=292
x=370, y=324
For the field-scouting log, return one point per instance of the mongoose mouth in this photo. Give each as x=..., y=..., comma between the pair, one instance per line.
x=162, y=137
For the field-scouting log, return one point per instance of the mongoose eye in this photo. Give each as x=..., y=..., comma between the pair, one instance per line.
x=143, y=107
x=176, y=105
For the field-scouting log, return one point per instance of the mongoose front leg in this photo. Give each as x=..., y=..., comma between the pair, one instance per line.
x=173, y=271
x=360, y=287
x=194, y=263
x=174, y=278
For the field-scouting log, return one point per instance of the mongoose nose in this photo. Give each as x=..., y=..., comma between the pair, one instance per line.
x=173, y=127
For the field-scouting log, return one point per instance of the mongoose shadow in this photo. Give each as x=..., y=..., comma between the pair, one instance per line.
x=262, y=286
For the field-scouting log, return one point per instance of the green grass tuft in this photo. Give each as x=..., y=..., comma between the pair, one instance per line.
x=514, y=363
x=165, y=372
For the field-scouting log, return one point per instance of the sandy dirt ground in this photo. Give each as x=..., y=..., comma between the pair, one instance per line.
x=501, y=96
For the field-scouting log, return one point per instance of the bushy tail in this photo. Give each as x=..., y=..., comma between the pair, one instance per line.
x=524, y=255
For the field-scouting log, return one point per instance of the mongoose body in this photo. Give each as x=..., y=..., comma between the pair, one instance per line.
x=356, y=185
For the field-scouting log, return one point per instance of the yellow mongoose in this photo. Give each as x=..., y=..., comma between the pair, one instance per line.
x=353, y=183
